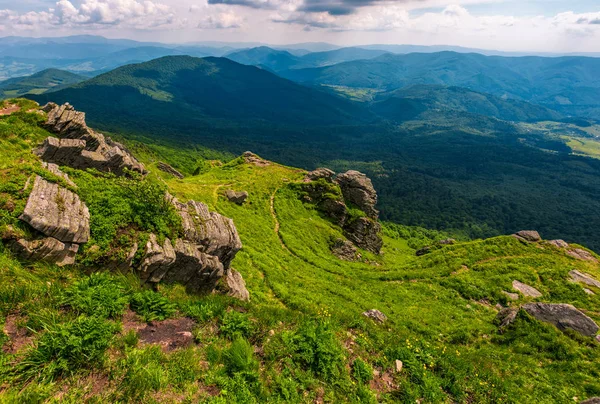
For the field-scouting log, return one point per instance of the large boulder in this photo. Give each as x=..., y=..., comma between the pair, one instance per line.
x=344, y=249
x=46, y=249
x=237, y=197
x=525, y=289
x=233, y=284
x=358, y=189
x=580, y=277
x=157, y=259
x=375, y=315
x=528, y=235
x=364, y=232
x=57, y=212
x=563, y=316
x=169, y=170
x=324, y=173
x=81, y=147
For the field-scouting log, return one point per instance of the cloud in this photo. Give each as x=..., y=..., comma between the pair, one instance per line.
x=221, y=21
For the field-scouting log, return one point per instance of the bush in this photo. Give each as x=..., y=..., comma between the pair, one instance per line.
x=99, y=294
x=151, y=306
x=362, y=371
x=65, y=348
x=239, y=357
x=235, y=324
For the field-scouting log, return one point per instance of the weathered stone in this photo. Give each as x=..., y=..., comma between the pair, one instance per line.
x=559, y=243
x=47, y=249
x=215, y=234
x=358, y=189
x=588, y=292
x=324, y=173
x=236, y=197
x=526, y=290
x=54, y=169
x=529, y=235
x=580, y=277
x=506, y=316
x=364, y=232
x=448, y=241
x=511, y=296
x=375, y=315
x=344, y=249
x=157, y=259
x=235, y=285
x=251, y=158
x=81, y=147
x=563, y=316
x=593, y=400
x=335, y=209
x=169, y=170
x=57, y=212
x=422, y=251
x=581, y=254
x=399, y=365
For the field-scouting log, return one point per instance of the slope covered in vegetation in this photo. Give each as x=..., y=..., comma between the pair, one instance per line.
x=81, y=334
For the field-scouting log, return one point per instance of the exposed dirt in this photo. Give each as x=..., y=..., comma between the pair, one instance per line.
x=9, y=109
x=20, y=337
x=383, y=382
x=169, y=334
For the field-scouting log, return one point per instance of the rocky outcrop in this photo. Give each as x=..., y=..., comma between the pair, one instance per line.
x=169, y=170
x=358, y=189
x=375, y=315
x=528, y=235
x=81, y=147
x=559, y=243
x=582, y=254
x=319, y=173
x=593, y=400
x=57, y=212
x=563, y=316
x=364, y=232
x=237, y=197
x=234, y=285
x=54, y=169
x=525, y=289
x=46, y=249
x=344, y=249
x=251, y=158
x=580, y=277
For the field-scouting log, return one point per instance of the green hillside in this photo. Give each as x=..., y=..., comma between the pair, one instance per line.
x=45, y=81
x=74, y=337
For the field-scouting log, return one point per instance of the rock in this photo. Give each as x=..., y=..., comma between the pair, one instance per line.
x=169, y=170
x=334, y=209
x=593, y=400
x=581, y=254
x=215, y=234
x=236, y=287
x=588, y=292
x=448, y=241
x=236, y=197
x=251, y=158
x=364, y=232
x=344, y=249
x=506, y=316
x=422, y=251
x=398, y=365
x=559, y=243
x=324, y=173
x=358, y=189
x=526, y=290
x=528, y=235
x=563, y=316
x=580, y=277
x=157, y=259
x=375, y=315
x=511, y=296
x=198, y=271
x=81, y=147
x=57, y=212
x=54, y=169
x=47, y=249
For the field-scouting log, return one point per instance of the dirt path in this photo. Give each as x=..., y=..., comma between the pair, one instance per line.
x=274, y=215
x=9, y=109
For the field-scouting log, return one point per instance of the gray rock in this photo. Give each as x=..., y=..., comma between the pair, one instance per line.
x=506, y=316
x=57, y=212
x=236, y=197
x=334, y=209
x=81, y=147
x=593, y=400
x=526, y=290
x=358, y=189
x=559, y=243
x=529, y=235
x=375, y=315
x=511, y=296
x=324, y=173
x=448, y=241
x=235, y=285
x=157, y=259
x=398, y=365
x=54, y=169
x=251, y=158
x=47, y=249
x=563, y=316
x=588, y=292
x=581, y=254
x=344, y=249
x=365, y=233
x=580, y=277
x=169, y=170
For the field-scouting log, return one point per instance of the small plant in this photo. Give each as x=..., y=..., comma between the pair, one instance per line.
x=65, y=348
x=235, y=324
x=202, y=311
x=362, y=371
x=239, y=357
x=151, y=306
x=143, y=373
x=99, y=294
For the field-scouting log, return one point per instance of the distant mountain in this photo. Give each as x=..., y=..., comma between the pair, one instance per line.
x=410, y=102
x=38, y=83
x=183, y=90
x=263, y=56
x=532, y=79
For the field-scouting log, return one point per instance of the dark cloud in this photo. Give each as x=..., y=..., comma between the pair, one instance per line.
x=588, y=20
x=304, y=19
x=265, y=5
x=331, y=7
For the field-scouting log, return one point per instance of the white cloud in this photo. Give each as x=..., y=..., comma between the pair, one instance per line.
x=223, y=20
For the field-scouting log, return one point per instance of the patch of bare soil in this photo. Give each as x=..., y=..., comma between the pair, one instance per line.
x=19, y=337
x=383, y=382
x=170, y=334
x=9, y=109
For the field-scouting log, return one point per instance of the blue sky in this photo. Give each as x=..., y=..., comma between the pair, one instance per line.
x=512, y=25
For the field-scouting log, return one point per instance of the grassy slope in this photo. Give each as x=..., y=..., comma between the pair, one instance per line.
x=440, y=309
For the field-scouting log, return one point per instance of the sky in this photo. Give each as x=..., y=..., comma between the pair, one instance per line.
x=509, y=25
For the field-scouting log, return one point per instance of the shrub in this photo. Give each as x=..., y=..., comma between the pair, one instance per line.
x=99, y=294
x=235, y=324
x=362, y=371
x=202, y=311
x=239, y=357
x=151, y=306
x=65, y=348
